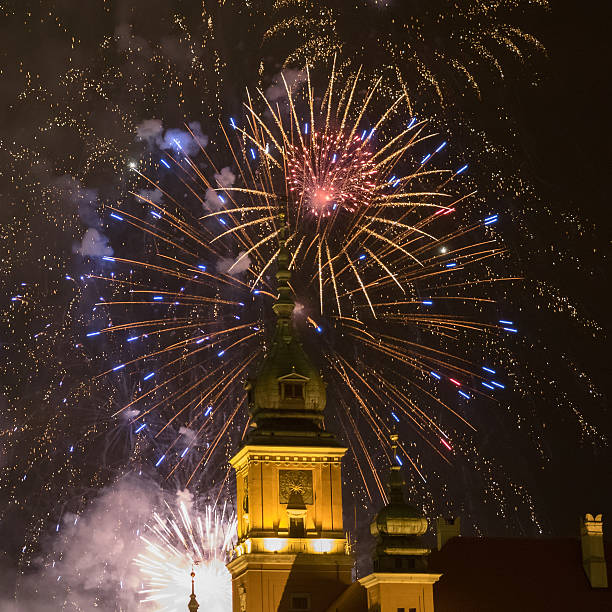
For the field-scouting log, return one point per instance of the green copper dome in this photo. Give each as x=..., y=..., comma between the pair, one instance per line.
x=398, y=518
x=399, y=528
x=288, y=385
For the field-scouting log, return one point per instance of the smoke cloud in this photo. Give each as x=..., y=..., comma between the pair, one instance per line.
x=189, y=434
x=93, y=560
x=226, y=178
x=294, y=80
x=93, y=244
x=228, y=265
x=130, y=413
x=183, y=141
x=89, y=562
x=86, y=200
x=154, y=195
x=212, y=201
x=152, y=132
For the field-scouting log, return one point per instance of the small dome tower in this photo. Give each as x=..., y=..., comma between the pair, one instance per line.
x=398, y=528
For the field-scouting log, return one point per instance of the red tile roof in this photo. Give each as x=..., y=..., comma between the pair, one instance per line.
x=516, y=575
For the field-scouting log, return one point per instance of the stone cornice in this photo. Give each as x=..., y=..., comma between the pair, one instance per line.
x=399, y=578
x=287, y=453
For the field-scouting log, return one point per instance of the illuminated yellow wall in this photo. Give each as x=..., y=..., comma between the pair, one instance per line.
x=388, y=592
x=267, y=583
x=258, y=468
x=270, y=567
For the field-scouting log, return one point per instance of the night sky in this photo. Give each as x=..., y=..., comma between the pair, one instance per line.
x=77, y=79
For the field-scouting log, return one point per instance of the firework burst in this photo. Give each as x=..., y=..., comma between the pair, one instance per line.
x=328, y=171
x=440, y=51
x=391, y=275
x=182, y=543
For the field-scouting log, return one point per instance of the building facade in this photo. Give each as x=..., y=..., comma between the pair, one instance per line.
x=291, y=553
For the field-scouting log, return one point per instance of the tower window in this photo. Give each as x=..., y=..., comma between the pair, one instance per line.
x=245, y=503
x=292, y=390
x=296, y=528
x=300, y=601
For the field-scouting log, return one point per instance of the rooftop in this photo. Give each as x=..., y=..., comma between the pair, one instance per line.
x=512, y=574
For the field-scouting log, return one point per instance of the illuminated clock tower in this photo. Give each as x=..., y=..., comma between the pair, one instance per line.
x=291, y=550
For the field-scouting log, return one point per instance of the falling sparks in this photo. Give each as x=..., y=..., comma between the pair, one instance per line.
x=54, y=403
x=473, y=42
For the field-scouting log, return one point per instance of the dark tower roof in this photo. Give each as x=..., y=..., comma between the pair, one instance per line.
x=398, y=528
x=397, y=517
x=287, y=397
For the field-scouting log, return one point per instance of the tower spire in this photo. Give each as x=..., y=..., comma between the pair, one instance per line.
x=288, y=477
x=283, y=308
x=193, y=602
x=398, y=527
x=396, y=481
x=287, y=396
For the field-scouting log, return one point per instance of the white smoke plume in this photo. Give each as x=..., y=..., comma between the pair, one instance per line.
x=212, y=200
x=228, y=265
x=89, y=560
x=86, y=200
x=93, y=244
x=225, y=178
x=152, y=132
x=182, y=141
x=130, y=413
x=185, y=496
x=100, y=558
x=189, y=434
x=154, y=195
x=277, y=90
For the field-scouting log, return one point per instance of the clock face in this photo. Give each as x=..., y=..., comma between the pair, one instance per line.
x=295, y=481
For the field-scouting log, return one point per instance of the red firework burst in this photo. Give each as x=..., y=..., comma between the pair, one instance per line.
x=331, y=172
